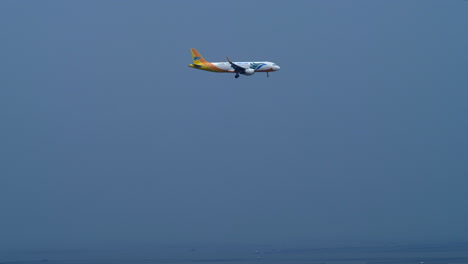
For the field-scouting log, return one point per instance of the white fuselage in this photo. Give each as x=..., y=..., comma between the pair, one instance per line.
x=263, y=66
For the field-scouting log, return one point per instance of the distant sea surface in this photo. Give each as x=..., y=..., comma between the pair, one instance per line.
x=389, y=254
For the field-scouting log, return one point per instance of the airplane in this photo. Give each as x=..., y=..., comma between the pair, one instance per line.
x=244, y=68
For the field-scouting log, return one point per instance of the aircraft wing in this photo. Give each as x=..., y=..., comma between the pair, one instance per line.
x=236, y=67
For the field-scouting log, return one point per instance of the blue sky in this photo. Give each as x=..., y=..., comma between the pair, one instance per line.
x=108, y=137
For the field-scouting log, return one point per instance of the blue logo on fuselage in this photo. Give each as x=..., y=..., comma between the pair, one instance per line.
x=256, y=66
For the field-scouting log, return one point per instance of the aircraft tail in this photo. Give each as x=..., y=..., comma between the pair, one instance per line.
x=197, y=57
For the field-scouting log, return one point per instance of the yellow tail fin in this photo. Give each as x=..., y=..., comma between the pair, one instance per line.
x=197, y=57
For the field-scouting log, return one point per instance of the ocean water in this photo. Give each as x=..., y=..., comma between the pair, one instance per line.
x=388, y=254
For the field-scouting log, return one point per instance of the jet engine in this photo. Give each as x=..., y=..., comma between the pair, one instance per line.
x=249, y=72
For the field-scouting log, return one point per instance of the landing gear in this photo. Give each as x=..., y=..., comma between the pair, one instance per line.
x=268, y=74
x=237, y=75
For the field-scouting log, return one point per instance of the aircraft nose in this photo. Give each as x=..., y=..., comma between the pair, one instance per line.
x=276, y=68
